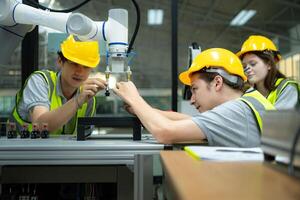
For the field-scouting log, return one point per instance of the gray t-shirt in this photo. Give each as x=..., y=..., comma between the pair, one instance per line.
x=36, y=94
x=288, y=99
x=230, y=124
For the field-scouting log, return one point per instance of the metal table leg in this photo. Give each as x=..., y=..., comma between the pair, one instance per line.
x=143, y=177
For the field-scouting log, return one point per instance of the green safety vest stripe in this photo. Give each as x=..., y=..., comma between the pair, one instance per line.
x=55, y=102
x=258, y=105
x=280, y=85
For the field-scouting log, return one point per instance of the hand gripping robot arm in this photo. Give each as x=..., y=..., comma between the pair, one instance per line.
x=16, y=19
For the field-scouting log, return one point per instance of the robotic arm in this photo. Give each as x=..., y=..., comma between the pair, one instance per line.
x=16, y=19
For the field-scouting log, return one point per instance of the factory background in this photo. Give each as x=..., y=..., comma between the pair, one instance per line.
x=209, y=23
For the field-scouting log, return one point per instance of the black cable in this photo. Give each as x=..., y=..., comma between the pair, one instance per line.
x=53, y=10
x=16, y=34
x=293, y=152
x=137, y=26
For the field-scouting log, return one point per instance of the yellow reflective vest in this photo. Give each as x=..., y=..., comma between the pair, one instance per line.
x=87, y=109
x=258, y=104
x=280, y=84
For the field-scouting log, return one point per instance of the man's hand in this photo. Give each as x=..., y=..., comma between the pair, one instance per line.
x=89, y=88
x=127, y=91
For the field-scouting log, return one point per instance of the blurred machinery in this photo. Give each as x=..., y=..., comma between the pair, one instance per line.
x=194, y=50
x=280, y=138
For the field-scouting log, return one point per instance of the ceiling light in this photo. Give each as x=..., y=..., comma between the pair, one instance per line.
x=242, y=17
x=155, y=16
x=14, y=72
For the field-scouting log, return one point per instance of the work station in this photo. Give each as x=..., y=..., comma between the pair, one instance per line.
x=149, y=100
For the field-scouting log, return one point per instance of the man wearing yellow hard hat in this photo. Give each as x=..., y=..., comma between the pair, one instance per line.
x=59, y=98
x=260, y=57
x=227, y=117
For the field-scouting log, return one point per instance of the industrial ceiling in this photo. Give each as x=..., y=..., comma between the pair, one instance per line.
x=206, y=22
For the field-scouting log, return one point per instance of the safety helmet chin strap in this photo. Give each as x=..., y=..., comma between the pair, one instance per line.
x=231, y=78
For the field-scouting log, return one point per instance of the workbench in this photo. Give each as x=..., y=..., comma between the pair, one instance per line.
x=64, y=159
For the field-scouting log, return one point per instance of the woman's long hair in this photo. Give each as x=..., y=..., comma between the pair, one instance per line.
x=268, y=58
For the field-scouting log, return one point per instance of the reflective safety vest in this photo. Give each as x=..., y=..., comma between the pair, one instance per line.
x=280, y=84
x=258, y=104
x=86, y=110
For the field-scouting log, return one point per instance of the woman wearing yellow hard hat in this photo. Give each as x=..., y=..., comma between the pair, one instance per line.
x=59, y=98
x=227, y=117
x=260, y=58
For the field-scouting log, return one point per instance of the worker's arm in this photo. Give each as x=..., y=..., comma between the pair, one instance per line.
x=169, y=114
x=173, y=115
x=165, y=130
x=54, y=118
x=58, y=117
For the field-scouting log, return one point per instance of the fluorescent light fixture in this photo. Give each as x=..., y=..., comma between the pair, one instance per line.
x=242, y=17
x=14, y=72
x=155, y=16
x=48, y=3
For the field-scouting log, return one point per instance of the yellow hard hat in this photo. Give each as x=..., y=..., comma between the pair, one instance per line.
x=258, y=43
x=84, y=53
x=216, y=58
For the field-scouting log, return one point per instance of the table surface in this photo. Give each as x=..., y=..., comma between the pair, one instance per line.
x=194, y=179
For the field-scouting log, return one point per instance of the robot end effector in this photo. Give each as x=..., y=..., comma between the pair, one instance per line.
x=16, y=19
